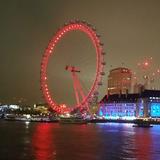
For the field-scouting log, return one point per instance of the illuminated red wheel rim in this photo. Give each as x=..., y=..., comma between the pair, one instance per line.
x=94, y=37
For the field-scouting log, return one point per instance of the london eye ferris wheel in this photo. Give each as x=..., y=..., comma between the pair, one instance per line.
x=82, y=100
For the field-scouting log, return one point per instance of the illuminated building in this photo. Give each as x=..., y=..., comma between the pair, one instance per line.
x=8, y=107
x=119, y=106
x=42, y=108
x=130, y=106
x=119, y=81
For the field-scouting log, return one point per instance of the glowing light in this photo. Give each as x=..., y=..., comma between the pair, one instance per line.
x=28, y=116
x=146, y=63
x=155, y=109
x=27, y=122
x=100, y=113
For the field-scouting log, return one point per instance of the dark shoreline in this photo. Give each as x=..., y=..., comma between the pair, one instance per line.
x=119, y=121
x=88, y=121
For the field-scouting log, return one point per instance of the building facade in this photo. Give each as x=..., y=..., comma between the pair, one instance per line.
x=119, y=81
x=131, y=106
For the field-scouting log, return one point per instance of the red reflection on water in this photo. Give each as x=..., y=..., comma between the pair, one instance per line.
x=143, y=144
x=42, y=142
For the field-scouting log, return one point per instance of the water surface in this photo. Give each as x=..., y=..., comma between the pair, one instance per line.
x=53, y=141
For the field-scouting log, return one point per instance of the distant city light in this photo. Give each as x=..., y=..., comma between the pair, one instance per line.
x=146, y=63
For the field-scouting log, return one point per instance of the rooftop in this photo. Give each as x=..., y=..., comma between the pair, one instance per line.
x=130, y=97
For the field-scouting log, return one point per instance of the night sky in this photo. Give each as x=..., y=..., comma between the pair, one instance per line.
x=129, y=29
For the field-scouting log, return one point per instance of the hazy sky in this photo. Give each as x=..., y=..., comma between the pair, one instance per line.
x=130, y=31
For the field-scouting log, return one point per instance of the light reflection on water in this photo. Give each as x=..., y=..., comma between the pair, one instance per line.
x=49, y=141
x=42, y=142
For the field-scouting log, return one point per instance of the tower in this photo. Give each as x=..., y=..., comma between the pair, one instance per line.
x=119, y=81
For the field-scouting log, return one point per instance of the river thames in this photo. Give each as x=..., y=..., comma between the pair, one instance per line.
x=54, y=141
